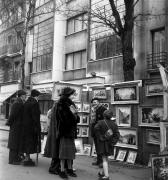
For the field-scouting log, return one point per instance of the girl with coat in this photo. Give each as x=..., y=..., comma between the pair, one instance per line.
x=106, y=145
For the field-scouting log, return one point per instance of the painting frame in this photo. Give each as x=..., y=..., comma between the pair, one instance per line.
x=150, y=116
x=154, y=89
x=159, y=165
x=164, y=135
x=121, y=112
x=60, y=85
x=86, y=108
x=84, y=132
x=79, y=107
x=79, y=146
x=121, y=155
x=128, y=138
x=153, y=136
x=86, y=149
x=84, y=119
x=100, y=93
x=125, y=94
x=131, y=158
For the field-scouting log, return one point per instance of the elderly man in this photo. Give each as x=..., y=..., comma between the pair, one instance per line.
x=15, y=122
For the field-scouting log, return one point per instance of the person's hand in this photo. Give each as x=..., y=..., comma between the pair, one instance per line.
x=73, y=109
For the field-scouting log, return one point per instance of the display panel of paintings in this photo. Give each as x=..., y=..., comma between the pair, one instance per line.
x=100, y=93
x=125, y=93
x=112, y=157
x=153, y=136
x=79, y=146
x=131, y=157
x=86, y=149
x=86, y=108
x=93, y=153
x=123, y=116
x=160, y=167
x=84, y=131
x=154, y=89
x=128, y=138
x=164, y=135
x=121, y=155
x=58, y=86
x=105, y=104
x=150, y=116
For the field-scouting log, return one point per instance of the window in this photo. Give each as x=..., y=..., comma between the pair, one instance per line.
x=75, y=60
x=158, y=41
x=108, y=46
x=76, y=24
x=43, y=46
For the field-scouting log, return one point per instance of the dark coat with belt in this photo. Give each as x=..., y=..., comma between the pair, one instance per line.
x=15, y=123
x=31, y=142
x=99, y=116
x=106, y=147
x=63, y=124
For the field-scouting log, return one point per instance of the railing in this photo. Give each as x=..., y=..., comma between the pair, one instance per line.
x=10, y=49
x=156, y=58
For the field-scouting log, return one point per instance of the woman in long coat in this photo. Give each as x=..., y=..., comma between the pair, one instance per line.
x=31, y=127
x=15, y=122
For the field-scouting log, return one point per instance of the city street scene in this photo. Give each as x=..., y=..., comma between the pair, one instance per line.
x=84, y=89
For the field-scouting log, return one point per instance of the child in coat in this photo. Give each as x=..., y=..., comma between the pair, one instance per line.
x=106, y=145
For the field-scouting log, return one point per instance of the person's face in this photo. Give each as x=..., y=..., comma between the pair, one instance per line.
x=23, y=97
x=95, y=102
x=72, y=96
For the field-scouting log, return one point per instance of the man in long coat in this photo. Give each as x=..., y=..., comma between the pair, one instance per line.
x=15, y=122
x=31, y=128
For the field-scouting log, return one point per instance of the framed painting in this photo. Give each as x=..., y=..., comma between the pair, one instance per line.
x=79, y=146
x=123, y=116
x=84, y=131
x=93, y=150
x=58, y=86
x=153, y=136
x=100, y=93
x=105, y=104
x=154, y=89
x=112, y=157
x=160, y=167
x=121, y=155
x=86, y=149
x=85, y=120
x=164, y=135
x=86, y=108
x=128, y=138
x=125, y=94
x=150, y=116
x=79, y=106
x=131, y=157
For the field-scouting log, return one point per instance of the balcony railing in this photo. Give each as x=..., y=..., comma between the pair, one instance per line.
x=10, y=49
x=156, y=58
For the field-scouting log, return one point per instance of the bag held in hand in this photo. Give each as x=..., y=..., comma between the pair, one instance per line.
x=108, y=133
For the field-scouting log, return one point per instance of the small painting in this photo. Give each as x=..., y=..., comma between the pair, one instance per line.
x=123, y=115
x=79, y=146
x=86, y=108
x=121, y=155
x=153, y=136
x=86, y=149
x=79, y=107
x=84, y=131
x=100, y=93
x=85, y=120
x=160, y=167
x=131, y=157
x=150, y=116
x=154, y=89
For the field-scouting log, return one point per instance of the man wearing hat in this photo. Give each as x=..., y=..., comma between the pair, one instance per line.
x=31, y=142
x=15, y=122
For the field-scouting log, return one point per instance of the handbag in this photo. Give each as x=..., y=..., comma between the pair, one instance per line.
x=109, y=132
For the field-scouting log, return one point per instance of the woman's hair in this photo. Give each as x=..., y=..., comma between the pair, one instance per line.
x=67, y=91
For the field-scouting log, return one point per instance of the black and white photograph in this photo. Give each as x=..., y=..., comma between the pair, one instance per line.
x=86, y=149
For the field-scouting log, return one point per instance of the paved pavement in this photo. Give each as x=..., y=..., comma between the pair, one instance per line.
x=85, y=171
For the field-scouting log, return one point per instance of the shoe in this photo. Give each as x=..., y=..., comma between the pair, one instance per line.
x=28, y=163
x=100, y=174
x=71, y=173
x=104, y=178
x=63, y=175
x=56, y=172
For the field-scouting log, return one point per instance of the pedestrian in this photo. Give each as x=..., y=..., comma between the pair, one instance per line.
x=107, y=135
x=96, y=115
x=15, y=122
x=31, y=140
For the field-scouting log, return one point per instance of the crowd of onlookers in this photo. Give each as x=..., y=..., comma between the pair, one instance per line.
x=25, y=133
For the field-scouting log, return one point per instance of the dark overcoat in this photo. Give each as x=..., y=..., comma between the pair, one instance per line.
x=106, y=147
x=15, y=123
x=63, y=124
x=31, y=142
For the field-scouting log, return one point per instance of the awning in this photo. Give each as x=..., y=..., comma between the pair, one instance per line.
x=5, y=96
